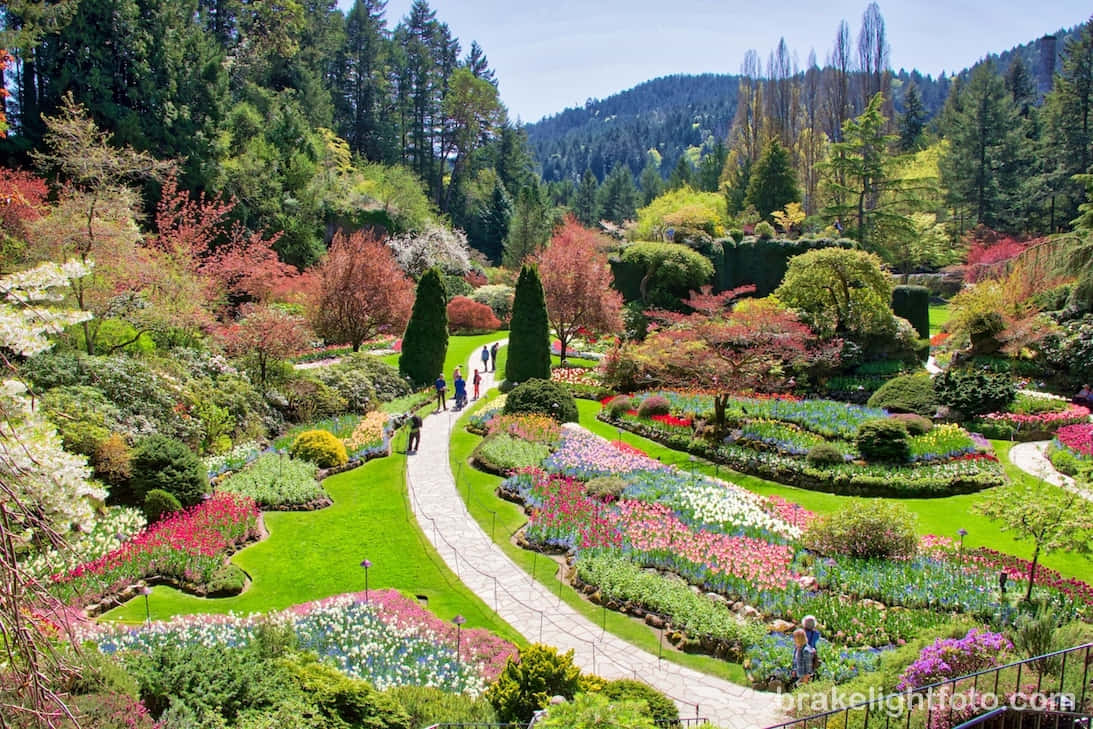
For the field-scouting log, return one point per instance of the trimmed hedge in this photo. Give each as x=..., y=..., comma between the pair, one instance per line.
x=913, y=304
x=907, y=394
x=543, y=397
x=764, y=262
x=883, y=440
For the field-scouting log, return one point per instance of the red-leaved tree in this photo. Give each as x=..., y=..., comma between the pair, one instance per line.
x=577, y=283
x=264, y=334
x=22, y=201
x=361, y=292
x=465, y=315
x=728, y=347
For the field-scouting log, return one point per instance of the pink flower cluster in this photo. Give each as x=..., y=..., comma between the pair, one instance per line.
x=1072, y=414
x=395, y=609
x=653, y=528
x=567, y=513
x=1077, y=438
x=188, y=545
x=584, y=455
x=789, y=512
x=1017, y=570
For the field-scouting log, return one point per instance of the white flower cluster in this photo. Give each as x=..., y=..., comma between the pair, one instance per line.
x=713, y=501
x=434, y=246
x=110, y=530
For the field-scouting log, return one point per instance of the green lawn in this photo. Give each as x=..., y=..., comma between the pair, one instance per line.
x=939, y=314
x=502, y=519
x=556, y=361
x=310, y=555
x=943, y=517
x=459, y=351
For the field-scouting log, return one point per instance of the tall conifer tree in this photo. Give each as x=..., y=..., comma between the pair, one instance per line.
x=529, y=332
x=426, y=340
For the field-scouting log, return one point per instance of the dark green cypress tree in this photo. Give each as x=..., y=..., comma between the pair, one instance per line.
x=425, y=342
x=529, y=332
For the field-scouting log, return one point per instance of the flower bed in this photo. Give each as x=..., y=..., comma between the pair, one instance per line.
x=388, y=640
x=1078, y=439
x=186, y=548
x=277, y=481
x=1032, y=426
x=234, y=460
x=107, y=534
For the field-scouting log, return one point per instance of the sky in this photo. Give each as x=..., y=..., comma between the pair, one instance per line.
x=552, y=55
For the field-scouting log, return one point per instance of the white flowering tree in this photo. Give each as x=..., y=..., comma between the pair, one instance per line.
x=434, y=246
x=45, y=493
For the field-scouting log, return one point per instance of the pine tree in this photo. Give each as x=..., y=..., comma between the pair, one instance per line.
x=529, y=332
x=495, y=218
x=682, y=175
x=586, y=208
x=618, y=196
x=1068, y=113
x=912, y=121
x=425, y=342
x=651, y=183
x=773, y=182
x=530, y=226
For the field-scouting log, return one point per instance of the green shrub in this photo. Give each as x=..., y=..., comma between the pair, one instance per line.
x=319, y=447
x=351, y=384
x=307, y=399
x=386, y=382
x=736, y=234
x=864, y=528
x=605, y=488
x=503, y=453
x=228, y=580
x=529, y=331
x=661, y=708
x=545, y=397
x=824, y=454
x=276, y=480
x=915, y=424
x=158, y=503
x=345, y=701
x=913, y=304
x=496, y=296
x=165, y=463
x=525, y=686
x=907, y=394
x=764, y=230
x=884, y=440
x=619, y=405
x=975, y=392
x=653, y=405
x=425, y=342
x=428, y=705
x=596, y=710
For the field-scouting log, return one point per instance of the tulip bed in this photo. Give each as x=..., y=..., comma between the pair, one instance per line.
x=771, y=438
x=1030, y=426
x=106, y=534
x=186, y=548
x=387, y=639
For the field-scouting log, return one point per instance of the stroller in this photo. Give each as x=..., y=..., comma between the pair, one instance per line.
x=460, y=394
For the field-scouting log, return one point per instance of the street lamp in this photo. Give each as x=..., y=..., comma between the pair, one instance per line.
x=458, y=620
x=146, y=591
x=962, y=532
x=366, y=564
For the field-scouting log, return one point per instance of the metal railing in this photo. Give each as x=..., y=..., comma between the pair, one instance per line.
x=1061, y=678
x=662, y=723
x=1006, y=717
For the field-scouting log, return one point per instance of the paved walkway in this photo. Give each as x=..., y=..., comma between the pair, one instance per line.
x=537, y=612
x=1031, y=458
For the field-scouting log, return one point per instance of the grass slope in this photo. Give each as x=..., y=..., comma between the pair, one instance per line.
x=459, y=351
x=939, y=314
x=942, y=517
x=310, y=555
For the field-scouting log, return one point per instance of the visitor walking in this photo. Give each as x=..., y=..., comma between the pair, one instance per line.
x=477, y=381
x=804, y=657
x=812, y=633
x=441, y=389
x=485, y=357
x=493, y=357
x=456, y=373
x=415, y=433
x=460, y=391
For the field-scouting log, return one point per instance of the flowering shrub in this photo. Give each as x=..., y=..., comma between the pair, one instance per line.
x=276, y=480
x=951, y=657
x=234, y=460
x=466, y=315
x=530, y=427
x=1077, y=439
x=389, y=640
x=186, y=547
x=865, y=528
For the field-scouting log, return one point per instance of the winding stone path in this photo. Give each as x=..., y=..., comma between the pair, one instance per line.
x=1031, y=458
x=537, y=612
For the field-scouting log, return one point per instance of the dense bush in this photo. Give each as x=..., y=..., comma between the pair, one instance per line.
x=529, y=331
x=605, y=488
x=913, y=304
x=864, y=528
x=83, y=415
x=428, y=705
x=386, y=381
x=496, y=296
x=653, y=405
x=353, y=385
x=618, y=405
x=824, y=454
x=466, y=316
x=975, y=392
x=275, y=480
x=307, y=399
x=545, y=397
x=883, y=440
x=113, y=460
x=915, y=424
x=344, y=701
x=764, y=230
x=158, y=503
x=426, y=340
x=526, y=685
x=907, y=394
x=661, y=708
x=168, y=464
x=319, y=447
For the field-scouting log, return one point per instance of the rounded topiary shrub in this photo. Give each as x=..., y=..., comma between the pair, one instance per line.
x=907, y=394
x=824, y=454
x=158, y=503
x=542, y=396
x=864, y=528
x=167, y=464
x=974, y=392
x=915, y=424
x=605, y=488
x=883, y=440
x=764, y=230
x=653, y=405
x=320, y=447
x=662, y=710
x=619, y=405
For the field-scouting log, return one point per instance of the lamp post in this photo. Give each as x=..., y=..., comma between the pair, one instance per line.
x=458, y=620
x=366, y=564
x=961, y=532
x=146, y=591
